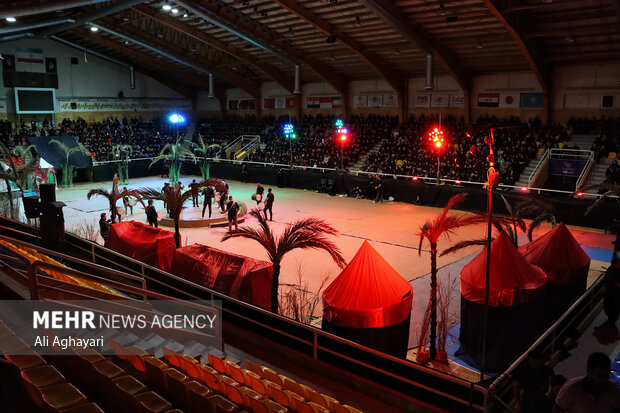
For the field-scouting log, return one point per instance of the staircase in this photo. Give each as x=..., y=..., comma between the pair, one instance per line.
x=597, y=173
x=583, y=141
x=524, y=178
x=362, y=159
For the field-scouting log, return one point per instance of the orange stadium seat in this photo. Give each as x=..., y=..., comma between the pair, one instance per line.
x=151, y=402
x=217, y=363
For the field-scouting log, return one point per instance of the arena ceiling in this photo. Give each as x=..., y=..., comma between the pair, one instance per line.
x=246, y=42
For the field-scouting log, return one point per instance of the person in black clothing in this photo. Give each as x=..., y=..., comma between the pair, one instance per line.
x=531, y=383
x=269, y=205
x=151, y=214
x=371, y=187
x=104, y=227
x=379, y=188
x=259, y=193
x=194, y=188
x=208, y=193
x=223, y=199
x=166, y=190
x=232, y=208
x=244, y=173
x=127, y=204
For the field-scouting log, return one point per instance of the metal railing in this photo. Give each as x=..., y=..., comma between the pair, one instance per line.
x=585, y=172
x=248, y=142
x=538, y=167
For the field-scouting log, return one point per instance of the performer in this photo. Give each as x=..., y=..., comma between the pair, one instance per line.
x=209, y=194
x=127, y=203
x=378, y=188
x=194, y=188
x=165, y=191
x=269, y=205
x=223, y=199
x=115, y=181
x=244, y=173
x=233, y=209
x=104, y=227
x=259, y=193
x=151, y=214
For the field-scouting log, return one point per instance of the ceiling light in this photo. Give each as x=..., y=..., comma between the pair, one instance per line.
x=11, y=19
x=94, y=29
x=160, y=34
x=397, y=51
x=186, y=15
x=126, y=42
x=174, y=11
x=166, y=7
x=569, y=39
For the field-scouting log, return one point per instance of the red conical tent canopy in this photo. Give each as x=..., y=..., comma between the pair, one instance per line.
x=368, y=293
x=559, y=255
x=513, y=279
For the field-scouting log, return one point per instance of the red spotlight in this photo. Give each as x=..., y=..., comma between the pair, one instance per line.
x=457, y=182
x=524, y=189
x=579, y=194
x=415, y=179
x=343, y=137
x=436, y=136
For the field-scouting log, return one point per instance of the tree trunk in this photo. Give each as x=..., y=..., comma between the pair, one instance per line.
x=177, y=233
x=275, y=284
x=433, y=332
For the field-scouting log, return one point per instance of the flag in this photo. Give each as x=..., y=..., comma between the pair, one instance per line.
x=30, y=60
x=488, y=100
x=390, y=100
x=440, y=100
x=531, y=100
x=290, y=103
x=337, y=102
x=422, y=101
x=269, y=103
x=280, y=103
x=457, y=101
x=325, y=102
x=375, y=101
x=313, y=102
x=508, y=100
x=360, y=101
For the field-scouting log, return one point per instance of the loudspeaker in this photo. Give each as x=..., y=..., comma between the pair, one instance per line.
x=32, y=207
x=53, y=226
x=48, y=193
x=52, y=211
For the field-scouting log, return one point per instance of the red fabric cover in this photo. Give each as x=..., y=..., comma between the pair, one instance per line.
x=150, y=245
x=368, y=293
x=240, y=277
x=513, y=279
x=559, y=255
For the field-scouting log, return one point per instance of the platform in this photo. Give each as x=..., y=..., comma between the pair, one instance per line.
x=191, y=217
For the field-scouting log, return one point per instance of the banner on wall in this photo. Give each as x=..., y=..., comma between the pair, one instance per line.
x=566, y=167
x=422, y=100
x=326, y=102
x=390, y=100
x=65, y=104
x=531, y=100
x=360, y=101
x=457, y=101
x=30, y=60
x=488, y=100
x=375, y=101
x=509, y=100
x=269, y=103
x=440, y=100
x=337, y=102
x=280, y=103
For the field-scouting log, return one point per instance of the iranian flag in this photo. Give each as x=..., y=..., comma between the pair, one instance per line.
x=30, y=60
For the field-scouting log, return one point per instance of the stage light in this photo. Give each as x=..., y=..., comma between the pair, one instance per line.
x=524, y=189
x=11, y=19
x=94, y=29
x=414, y=179
x=579, y=194
x=339, y=124
x=166, y=7
x=436, y=136
x=343, y=137
x=457, y=182
x=176, y=118
x=287, y=129
x=174, y=11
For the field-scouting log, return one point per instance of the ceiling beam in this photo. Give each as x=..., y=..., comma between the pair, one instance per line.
x=170, y=51
x=284, y=80
x=226, y=18
x=395, y=78
x=47, y=7
x=529, y=52
x=393, y=16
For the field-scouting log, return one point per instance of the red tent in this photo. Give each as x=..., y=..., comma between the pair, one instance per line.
x=513, y=279
x=150, y=245
x=368, y=293
x=559, y=255
x=240, y=277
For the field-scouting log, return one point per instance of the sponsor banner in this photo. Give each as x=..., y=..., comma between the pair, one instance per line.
x=457, y=101
x=314, y=102
x=440, y=100
x=390, y=100
x=120, y=105
x=62, y=328
x=360, y=101
x=422, y=101
x=375, y=101
x=566, y=167
x=531, y=100
x=509, y=100
x=337, y=102
x=280, y=103
x=30, y=60
x=488, y=100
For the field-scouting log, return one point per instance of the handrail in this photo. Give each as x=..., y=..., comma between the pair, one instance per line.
x=585, y=172
x=536, y=170
x=245, y=146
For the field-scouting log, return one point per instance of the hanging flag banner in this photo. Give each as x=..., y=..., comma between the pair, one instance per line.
x=360, y=101
x=531, y=100
x=241, y=104
x=422, y=101
x=509, y=100
x=440, y=100
x=290, y=103
x=30, y=60
x=390, y=100
x=269, y=103
x=375, y=101
x=326, y=102
x=337, y=102
x=314, y=102
x=457, y=101
x=488, y=100
x=280, y=103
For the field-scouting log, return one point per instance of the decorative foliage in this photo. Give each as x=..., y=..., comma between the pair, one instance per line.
x=174, y=154
x=205, y=151
x=86, y=230
x=539, y=211
x=304, y=233
x=113, y=196
x=298, y=302
x=607, y=189
x=68, y=168
x=124, y=154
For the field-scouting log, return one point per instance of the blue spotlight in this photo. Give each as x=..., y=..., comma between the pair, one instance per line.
x=176, y=118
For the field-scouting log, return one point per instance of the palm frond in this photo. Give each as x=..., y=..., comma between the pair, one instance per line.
x=508, y=206
x=536, y=222
x=463, y=244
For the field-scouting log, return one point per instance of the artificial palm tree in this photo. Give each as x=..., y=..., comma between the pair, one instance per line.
x=68, y=168
x=540, y=211
x=304, y=233
x=205, y=163
x=441, y=225
x=113, y=196
x=173, y=153
x=124, y=153
x=175, y=198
